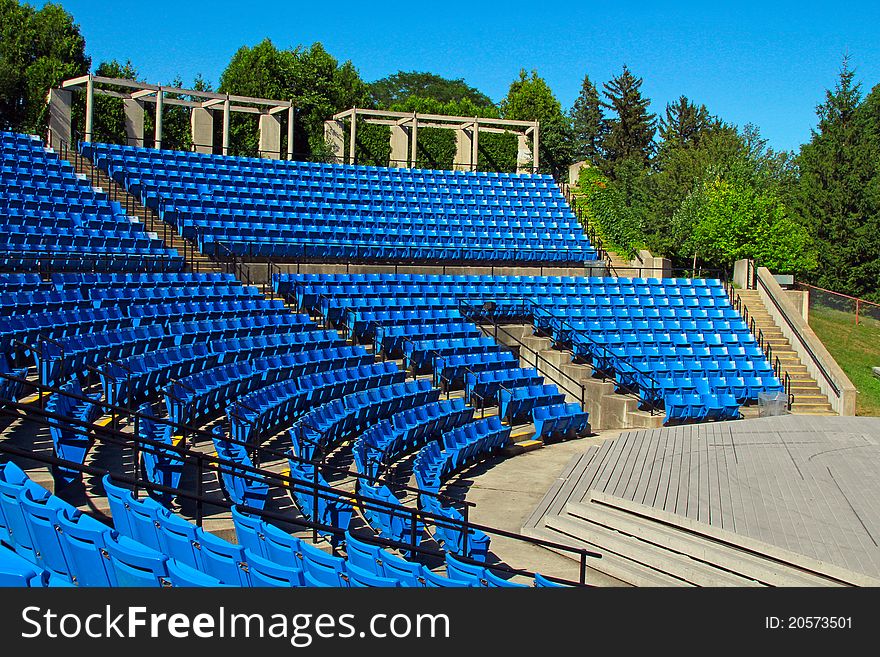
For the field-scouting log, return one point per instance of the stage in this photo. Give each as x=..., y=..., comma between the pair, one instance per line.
x=792, y=500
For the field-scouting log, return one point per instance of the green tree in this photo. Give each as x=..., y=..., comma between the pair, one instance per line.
x=588, y=125
x=38, y=50
x=403, y=85
x=616, y=219
x=108, y=118
x=684, y=124
x=318, y=85
x=631, y=127
x=530, y=99
x=836, y=196
x=263, y=71
x=728, y=221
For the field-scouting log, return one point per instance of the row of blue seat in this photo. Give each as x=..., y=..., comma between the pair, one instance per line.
x=332, y=422
x=273, y=406
x=192, y=398
x=405, y=431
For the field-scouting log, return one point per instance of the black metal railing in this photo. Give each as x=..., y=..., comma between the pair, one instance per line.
x=822, y=370
x=206, y=463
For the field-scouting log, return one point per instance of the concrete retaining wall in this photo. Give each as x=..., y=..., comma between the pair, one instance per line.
x=790, y=319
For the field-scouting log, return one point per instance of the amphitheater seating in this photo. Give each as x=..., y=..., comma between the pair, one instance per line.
x=160, y=466
x=330, y=423
x=638, y=332
x=515, y=404
x=406, y=431
x=280, y=404
x=559, y=421
x=53, y=219
x=241, y=488
x=391, y=524
x=482, y=387
x=391, y=341
x=69, y=432
x=300, y=210
x=193, y=398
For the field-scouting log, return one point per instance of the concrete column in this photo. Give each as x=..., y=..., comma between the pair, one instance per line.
x=464, y=150
x=352, y=137
x=270, y=136
x=475, y=142
x=90, y=109
x=201, y=123
x=400, y=140
x=290, y=132
x=159, y=103
x=574, y=172
x=414, y=149
x=536, y=148
x=523, y=154
x=226, y=106
x=60, y=128
x=740, y=273
x=134, y=122
x=335, y=139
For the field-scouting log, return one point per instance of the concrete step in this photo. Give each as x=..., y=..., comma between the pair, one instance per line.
x=701, y=561
x=623, y=570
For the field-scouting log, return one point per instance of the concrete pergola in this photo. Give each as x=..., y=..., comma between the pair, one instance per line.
x=203, y=105
x=405, y=129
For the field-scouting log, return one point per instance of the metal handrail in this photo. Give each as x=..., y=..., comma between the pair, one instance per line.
x=652, y=404
x=537, y=356
x=834, y=387
x=219, y=464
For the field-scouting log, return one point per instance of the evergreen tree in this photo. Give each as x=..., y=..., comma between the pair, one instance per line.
x=588, y=124
x=834, y=196
x=685, y=123
x=632, y=126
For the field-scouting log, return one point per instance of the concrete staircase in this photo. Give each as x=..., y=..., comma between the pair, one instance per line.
x=196, y=261
x=607, y=408
x=808, y=398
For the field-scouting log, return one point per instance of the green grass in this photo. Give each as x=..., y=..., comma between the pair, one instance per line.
x=856, y=349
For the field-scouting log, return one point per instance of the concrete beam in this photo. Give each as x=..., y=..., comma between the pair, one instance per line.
x=334, y=137
x=523, y=154
x=464, y=150
x=90, y=109
x=75, y=82
x=226, y=109
x=160, y=99
x=352, y=138
x=437, y=117
x=400, y=138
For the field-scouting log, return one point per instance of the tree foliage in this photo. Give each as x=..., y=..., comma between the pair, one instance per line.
x=588, y=125
x=316, y=82
x=631, y=126
x=530, y=99
x=722, y=221
x=836, y=196
x=38, y=50
x=406, y=85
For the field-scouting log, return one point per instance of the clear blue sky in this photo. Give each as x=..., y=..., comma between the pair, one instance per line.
x=765, y=63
